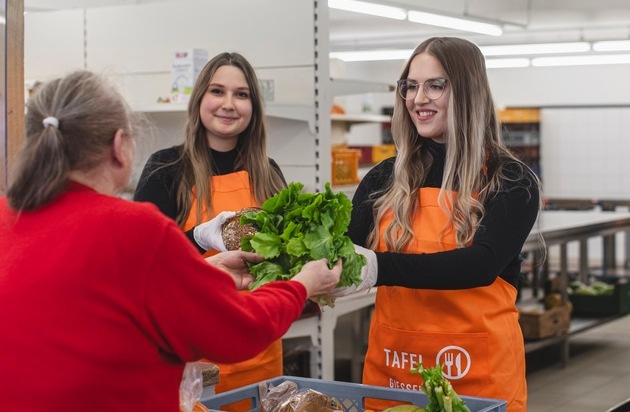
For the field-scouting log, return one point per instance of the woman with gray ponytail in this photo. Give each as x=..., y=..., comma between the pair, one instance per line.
x=103, y=300
x=69, y=126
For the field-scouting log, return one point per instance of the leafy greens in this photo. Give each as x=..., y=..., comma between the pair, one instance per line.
x=294, y=228
x=442, y=396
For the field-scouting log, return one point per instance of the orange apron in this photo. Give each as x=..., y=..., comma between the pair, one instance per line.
x=232, y=192
x=474, y=333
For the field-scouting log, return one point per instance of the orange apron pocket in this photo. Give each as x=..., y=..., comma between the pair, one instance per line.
x=392, y=353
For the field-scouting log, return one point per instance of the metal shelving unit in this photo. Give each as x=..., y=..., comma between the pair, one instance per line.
x=558, y=228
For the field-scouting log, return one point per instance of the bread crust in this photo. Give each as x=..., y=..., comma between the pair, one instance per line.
x=232, y=231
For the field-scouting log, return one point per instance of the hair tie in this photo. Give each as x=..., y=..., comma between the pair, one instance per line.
x=51, y=121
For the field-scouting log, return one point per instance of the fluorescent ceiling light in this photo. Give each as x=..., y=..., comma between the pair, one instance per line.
x=541, y=48
x=371, y=55
x=582, y=60
x=369, y=8
x=619, y=45
x=402, y=54
x=454, y=23
x=506, y=63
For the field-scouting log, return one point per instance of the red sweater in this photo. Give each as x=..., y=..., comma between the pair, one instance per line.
x=102, y=300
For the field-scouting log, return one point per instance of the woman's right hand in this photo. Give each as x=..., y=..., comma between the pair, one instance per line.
x=208, y=235
x=235, y=263
x=317, y=278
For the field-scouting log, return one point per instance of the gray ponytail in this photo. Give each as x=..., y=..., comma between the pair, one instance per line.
x=70, y=124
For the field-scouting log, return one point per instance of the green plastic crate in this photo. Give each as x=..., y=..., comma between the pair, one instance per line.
x=351, y=395
x=604, y=305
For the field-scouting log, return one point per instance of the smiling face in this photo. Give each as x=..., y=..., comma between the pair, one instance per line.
x=428, y=116
x=226, y=108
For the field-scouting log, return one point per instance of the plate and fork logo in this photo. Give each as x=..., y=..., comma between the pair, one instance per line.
x=456, y=361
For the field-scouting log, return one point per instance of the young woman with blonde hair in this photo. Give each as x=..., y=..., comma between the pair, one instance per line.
x=449, y=216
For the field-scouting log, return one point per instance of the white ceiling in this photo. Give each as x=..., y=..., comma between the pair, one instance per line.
x=524, y=21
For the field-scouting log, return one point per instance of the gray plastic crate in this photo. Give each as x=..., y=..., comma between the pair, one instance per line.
x=351, y=395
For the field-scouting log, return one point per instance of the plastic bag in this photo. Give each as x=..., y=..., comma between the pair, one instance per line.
x=272, y=397
x=191, y=387
x=287, y=397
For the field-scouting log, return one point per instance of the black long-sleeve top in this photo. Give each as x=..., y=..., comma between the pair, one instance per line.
x=496, y=246
x=158, y=183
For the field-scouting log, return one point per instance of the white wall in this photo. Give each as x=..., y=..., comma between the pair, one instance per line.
x=552, y=86
x=585, y=152
x=133, y=44
x=533, y=86
x=585, y=139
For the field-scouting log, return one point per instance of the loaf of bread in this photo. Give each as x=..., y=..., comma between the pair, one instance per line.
x=232, y=231
x=309, y=400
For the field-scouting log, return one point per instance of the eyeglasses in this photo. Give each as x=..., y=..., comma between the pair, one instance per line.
x=432, y=88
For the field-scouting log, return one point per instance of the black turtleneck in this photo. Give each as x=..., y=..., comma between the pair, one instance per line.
x=495, y=249
x=161, y=174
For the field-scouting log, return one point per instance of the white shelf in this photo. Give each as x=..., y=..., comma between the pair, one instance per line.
x=348, y=190
x=343, y=87
x=361, y=118
x=297, y=112
x=300, y=112
x=341, y=124
x=161, y=108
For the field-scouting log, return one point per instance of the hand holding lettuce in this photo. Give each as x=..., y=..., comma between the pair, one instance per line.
x=369, y=274
x=294, y=228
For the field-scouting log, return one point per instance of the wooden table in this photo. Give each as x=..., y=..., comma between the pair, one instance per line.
x=556, y=228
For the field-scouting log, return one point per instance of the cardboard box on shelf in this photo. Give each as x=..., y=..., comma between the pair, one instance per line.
x=185, y=68
x=544, y=324
x=520, y=115
x=382, y=152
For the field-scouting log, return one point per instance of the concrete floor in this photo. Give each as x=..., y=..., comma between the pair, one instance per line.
x=595, y=379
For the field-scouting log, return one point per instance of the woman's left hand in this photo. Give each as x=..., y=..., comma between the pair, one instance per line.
x=235, y=264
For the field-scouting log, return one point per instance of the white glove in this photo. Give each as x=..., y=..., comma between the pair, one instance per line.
x=208, y=234
x=369, y=273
